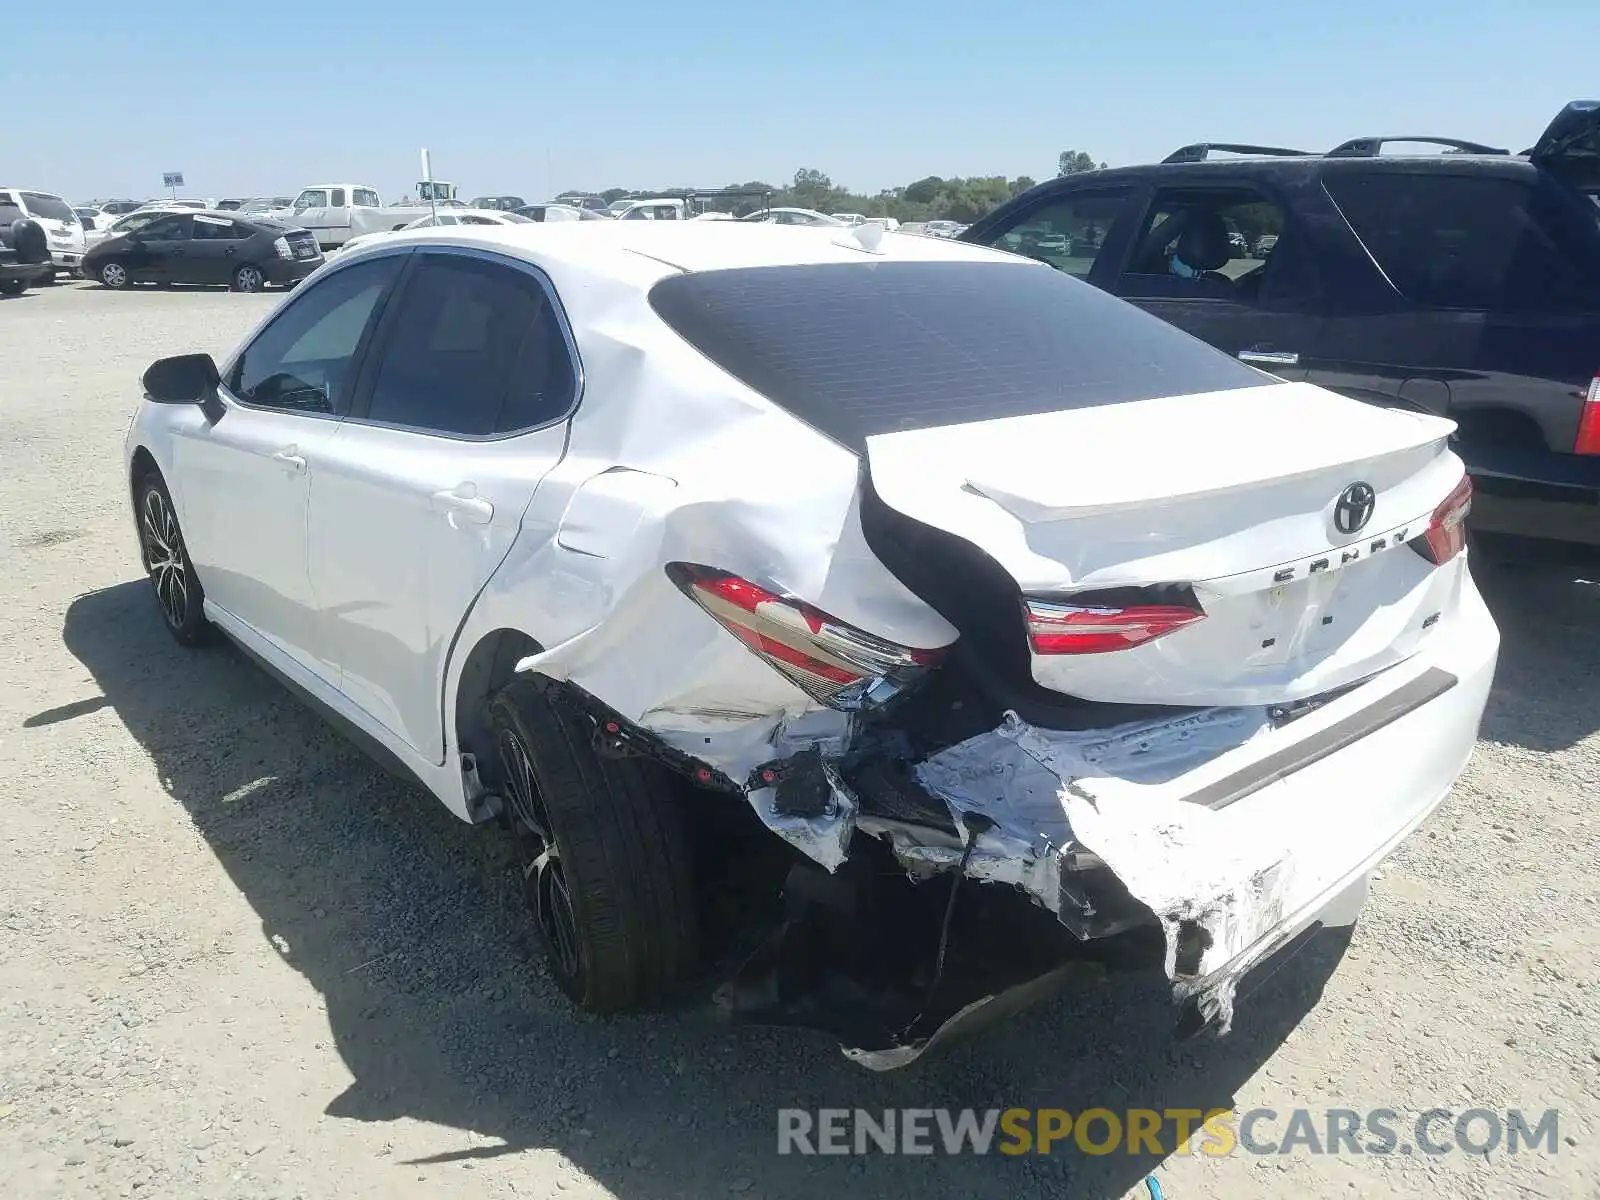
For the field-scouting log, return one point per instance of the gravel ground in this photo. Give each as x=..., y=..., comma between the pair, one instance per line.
x=239, y=961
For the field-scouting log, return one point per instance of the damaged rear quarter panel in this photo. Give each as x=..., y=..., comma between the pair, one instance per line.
x=669, y=459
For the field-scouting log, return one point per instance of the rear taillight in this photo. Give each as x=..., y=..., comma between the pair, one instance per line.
x=280, y=247
x=1446, y=535
x=1057, y=627
x=834, y=663
x=1588, y=440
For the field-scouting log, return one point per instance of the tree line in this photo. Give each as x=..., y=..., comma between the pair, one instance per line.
x=960, y=198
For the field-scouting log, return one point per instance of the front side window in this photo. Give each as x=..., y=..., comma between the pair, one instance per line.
x=1473, y=241
x=476, y=349
x=134, y=221
x=1216, y=244
x=303, y=360
x=1066, y=232
x=311, y=198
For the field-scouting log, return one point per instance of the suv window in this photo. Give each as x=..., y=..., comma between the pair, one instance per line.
x=302, y=360
x=1464, y=241
x=216, y=229
x=476, y=349
x=1205, y=244
x=1067, y=232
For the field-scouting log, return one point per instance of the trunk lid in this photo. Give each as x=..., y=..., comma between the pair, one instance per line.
x=1570, y=145
x=1231, y=499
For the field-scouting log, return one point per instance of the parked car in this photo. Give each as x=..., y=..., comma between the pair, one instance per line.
x=24, y=256
x=448, y=217
x=792, y=216
x=245, y=253
x=561, y=212
x=940, y=228
x=617, y=531
x=120, y=208
x=1463, y=284
x=337, y=212
x=63, y=230
x=503, y=203
x=267, y=204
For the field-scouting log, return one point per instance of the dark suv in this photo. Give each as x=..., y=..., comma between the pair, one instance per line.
x=1464, y=282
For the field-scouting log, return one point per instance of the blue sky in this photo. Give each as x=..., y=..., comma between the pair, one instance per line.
x=533, y=98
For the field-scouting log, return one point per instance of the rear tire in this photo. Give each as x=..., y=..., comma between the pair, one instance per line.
x=603, y=850
x=249, y=278
x=12, y=287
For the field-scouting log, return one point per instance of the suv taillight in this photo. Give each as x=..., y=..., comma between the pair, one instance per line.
x=1588, y=440
x=1446, y=535
x=1058, y=627
x=834, y=663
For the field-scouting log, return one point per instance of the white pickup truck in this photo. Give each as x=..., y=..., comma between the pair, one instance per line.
x=337, y=212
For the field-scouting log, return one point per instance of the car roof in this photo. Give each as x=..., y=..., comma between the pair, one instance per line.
x=620, y=249
x=1304, y=166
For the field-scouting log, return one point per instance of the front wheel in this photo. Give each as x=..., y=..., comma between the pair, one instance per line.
x=603, y=852
x=166, y=560
x=113, y=275
x=12, y=287
x=249, y=278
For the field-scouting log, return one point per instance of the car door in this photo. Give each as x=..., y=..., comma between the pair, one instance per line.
x=1253, y=291
x=213, y=249
x=156, y=250
x=461, y=411
x=246, y=477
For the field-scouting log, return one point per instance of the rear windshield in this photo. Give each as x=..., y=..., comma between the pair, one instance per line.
x=51, y=207
x=858, y=350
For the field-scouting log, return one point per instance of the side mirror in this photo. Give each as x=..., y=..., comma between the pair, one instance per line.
x=182, y=379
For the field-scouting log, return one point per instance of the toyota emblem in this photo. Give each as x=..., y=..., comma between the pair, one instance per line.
x=1354, y=508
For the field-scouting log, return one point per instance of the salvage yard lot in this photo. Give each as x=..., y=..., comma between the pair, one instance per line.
x=237, y=960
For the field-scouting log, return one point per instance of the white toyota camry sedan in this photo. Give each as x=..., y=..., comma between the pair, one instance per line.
x=961, y=579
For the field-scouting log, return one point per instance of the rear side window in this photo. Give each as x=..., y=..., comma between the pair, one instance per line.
x=863, y=349
x=1475, y=242
x=216, y=229
x=476, y=349
x=365, y=198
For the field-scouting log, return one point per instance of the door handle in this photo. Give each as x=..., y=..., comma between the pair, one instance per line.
x=1264, y=357
x=289, y=458
x=463, y=504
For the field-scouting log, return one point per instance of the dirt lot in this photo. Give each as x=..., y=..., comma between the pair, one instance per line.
x=239, y=961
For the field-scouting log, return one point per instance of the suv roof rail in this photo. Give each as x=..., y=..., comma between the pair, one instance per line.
x=1371, y=147
x=1199, y=151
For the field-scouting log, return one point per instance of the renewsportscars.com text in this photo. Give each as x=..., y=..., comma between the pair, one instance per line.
x=1216, y=1132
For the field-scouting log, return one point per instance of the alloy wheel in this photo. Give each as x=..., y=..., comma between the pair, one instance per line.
x=164, y=559
x=114, y=275
x=249, y=279
x=544, y=885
